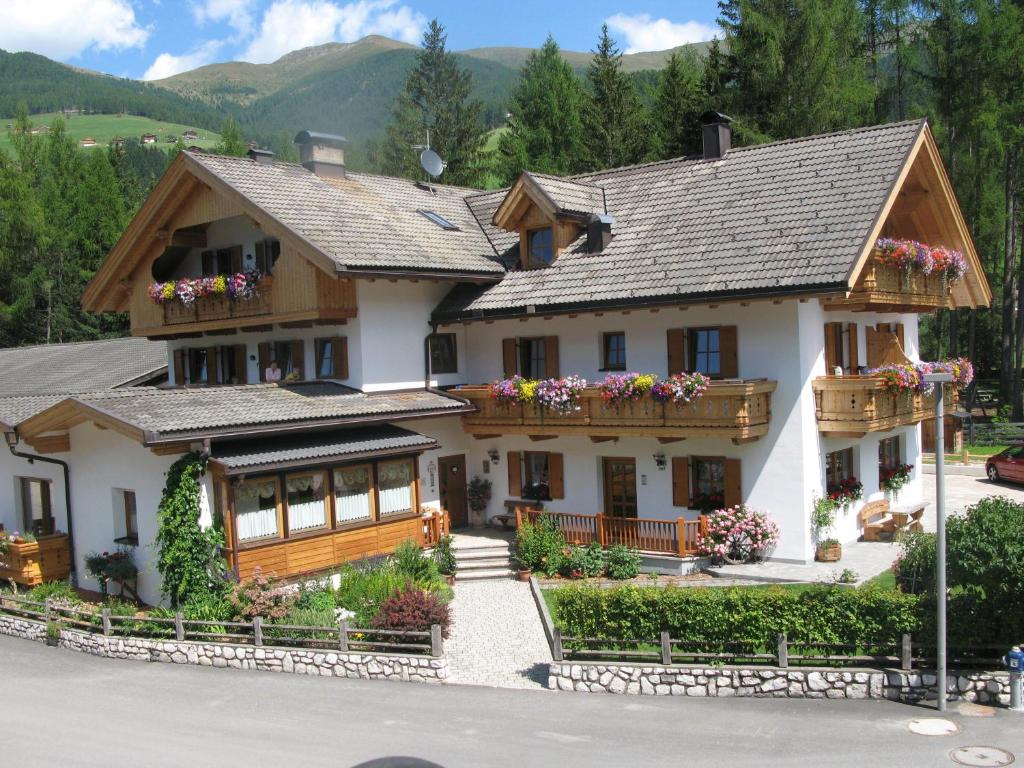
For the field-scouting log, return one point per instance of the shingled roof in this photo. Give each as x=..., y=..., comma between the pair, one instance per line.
x=570, y=196
x=363, y=221
x=168, y=415
x=782, y=218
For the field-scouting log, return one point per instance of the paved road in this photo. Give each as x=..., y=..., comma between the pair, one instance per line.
x=61, y=708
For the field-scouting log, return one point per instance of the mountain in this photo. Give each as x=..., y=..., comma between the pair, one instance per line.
x=47, y=86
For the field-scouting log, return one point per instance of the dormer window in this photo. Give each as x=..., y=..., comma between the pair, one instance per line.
x=540, y=244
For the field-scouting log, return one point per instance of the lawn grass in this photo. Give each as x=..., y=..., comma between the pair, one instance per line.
x=885, y=580
x=103, y=128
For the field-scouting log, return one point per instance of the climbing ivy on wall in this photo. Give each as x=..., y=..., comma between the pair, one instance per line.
x=187, y=554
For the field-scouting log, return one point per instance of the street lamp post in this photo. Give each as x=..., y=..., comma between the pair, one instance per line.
x=938, y=381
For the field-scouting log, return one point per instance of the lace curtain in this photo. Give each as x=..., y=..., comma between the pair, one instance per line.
x=395, y=483
x=306, y=507
x=352, y=494
x=256, y=509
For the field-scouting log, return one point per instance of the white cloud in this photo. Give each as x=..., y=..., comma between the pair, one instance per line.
x=292, y=24
x=237, y=13
x=167, y=64
x=63, y=29
x=642, y=33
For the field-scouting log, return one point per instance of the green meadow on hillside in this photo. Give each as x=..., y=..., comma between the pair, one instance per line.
x=103, y=128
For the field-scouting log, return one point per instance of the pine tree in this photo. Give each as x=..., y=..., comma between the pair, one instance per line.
x=796, y=69
x=679, y=102
x=231, y=141
x=545, y=132
x=617, y=124
x=436, y=100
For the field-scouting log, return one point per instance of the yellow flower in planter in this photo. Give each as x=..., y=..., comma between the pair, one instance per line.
x=220, y=285
x=169, y=289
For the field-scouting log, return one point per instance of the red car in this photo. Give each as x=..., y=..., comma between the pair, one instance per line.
x=1008, y=465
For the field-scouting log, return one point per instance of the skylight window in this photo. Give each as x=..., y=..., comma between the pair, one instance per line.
x=440, y=220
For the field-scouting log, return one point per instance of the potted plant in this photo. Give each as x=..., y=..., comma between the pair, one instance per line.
x=894, y=478
x=444, y=556
x=823, y=515
x=478, y=494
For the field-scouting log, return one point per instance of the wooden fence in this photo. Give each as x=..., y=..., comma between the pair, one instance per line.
x=436, y=524
x=673, y=537
x=340, y=637
x=782, y=653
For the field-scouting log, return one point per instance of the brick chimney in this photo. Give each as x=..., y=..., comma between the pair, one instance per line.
x=261, y=156
x=322, y=153
x=717, y=134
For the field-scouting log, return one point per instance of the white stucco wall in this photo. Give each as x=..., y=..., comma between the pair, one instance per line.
x=11, y=469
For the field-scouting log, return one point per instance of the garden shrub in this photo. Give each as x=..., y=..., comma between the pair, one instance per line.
x=364, y=588
x=59, y=592
x=582, y=562
x=412, y=609
x=260, y=596
x=540, y=546
x=715, y=616
x=915, y=565
x=188, y=556
x=444, y=555
x=319, y=599
x=208, y=607
x=622, y=562
x=410, y=561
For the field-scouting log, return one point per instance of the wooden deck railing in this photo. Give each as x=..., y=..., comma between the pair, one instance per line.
x=884, y=286
x=673, y=537
x=436, y=523
x=221, y=307
x=739, y=409
x=855, y=405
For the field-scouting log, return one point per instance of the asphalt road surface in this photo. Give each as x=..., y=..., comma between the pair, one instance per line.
x=61, y=708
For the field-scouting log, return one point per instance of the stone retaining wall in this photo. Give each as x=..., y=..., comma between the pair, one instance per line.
x=301, y=661
x=984, y=687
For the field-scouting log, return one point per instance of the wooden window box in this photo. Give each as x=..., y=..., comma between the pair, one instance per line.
x=221, y=307
x=32, y=563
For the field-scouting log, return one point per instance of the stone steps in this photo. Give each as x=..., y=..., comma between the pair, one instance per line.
x=481, y=559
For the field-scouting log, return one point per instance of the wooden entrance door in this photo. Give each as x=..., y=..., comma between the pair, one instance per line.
x=620, y=487
x=452, y=484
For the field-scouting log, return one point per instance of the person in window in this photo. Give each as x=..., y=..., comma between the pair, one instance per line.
x=273, y=373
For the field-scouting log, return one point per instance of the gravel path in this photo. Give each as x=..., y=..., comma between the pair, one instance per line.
x=497, y=638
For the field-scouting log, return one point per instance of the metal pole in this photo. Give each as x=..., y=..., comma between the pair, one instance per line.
x=940, y=546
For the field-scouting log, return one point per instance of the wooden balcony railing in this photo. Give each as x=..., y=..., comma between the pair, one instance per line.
x=32, y=563
x=672, y=537
x=221, y=307
x=740, y=410
x=436, y=524
x=887, y=288
x=855, y=405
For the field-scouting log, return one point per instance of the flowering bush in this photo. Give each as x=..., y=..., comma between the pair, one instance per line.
x=260, y=596
x=680, y=388
x=241, y=285
x=560, y=395
x=909, y=377
x=846, y=491
x=111, y=566
x=893, y=479
x=910, y=254
x=619, y=388
x=737, y=534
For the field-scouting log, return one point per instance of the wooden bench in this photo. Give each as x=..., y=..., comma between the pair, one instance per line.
x=877, y=521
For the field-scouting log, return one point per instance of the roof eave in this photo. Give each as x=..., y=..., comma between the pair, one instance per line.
x=326, y=459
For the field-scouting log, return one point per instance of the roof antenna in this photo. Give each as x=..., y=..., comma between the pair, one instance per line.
x=431, y=162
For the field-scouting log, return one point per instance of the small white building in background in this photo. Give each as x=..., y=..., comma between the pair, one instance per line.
x=388, y=306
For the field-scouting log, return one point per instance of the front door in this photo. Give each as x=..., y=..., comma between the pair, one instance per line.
x=452, y=485
x=620, y=487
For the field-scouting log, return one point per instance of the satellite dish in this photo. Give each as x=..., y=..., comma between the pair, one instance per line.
x=431, y=162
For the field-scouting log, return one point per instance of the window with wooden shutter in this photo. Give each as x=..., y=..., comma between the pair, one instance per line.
x=179, y=368
x=241, y=371
x=551, y=357
x=728, y=348
x=852, y=350
x=340, y=351
x=901, y=336
x=833, y=347
x=209, y=263
x=265, y=352
x=515, y=474
x=213, y=372
x=298, y=358
x=680, y=481
x=676, y=338
x=508, y=357
x=733, y=483
x=556, y=480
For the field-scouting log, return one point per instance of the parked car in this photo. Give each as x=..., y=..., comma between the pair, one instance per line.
x=1008, y=465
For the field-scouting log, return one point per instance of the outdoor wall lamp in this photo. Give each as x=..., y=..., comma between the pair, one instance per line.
x=493, y=455
x=659, y=461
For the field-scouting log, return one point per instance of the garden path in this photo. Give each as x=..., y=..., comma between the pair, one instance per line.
x=497, y=638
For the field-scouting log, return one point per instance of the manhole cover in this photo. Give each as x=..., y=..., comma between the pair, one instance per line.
x=981, y=756
x=932, y=726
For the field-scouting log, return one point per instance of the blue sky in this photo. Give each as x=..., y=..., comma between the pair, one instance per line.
x=158, y=38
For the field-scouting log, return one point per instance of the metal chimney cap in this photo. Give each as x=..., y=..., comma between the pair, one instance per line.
x=711, y=117
x=314, y=137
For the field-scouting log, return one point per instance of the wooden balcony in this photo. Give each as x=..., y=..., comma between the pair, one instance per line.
x=221, y=307
x=739, y=410
x=851, y=406
x=884, y=288
x=677, y=537
x=32, y=563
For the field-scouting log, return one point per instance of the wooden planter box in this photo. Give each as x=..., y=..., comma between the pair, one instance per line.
x=32, y=563
x=829, y=554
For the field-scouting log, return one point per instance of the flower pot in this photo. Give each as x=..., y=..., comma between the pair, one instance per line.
x=449, y=579
x=524, y=575
x=829, y=553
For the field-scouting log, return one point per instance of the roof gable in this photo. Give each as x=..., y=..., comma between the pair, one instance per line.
x=555, y=197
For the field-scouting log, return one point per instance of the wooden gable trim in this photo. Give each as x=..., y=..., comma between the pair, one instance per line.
x=68, y=414
x=56, y=443
x=517, y=201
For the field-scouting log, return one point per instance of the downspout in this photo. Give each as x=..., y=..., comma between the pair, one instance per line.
x=31, y=458
x=426, y=354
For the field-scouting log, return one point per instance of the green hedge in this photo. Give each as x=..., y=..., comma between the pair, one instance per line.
x=714, y=616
